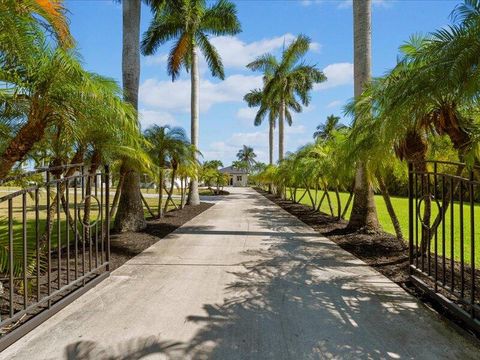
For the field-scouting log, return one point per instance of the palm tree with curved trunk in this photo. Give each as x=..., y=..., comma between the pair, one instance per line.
x=166, y=145
x=288, y=82
x=325, y=131
x=188, y=23
x=364, y=212
x=247, y=155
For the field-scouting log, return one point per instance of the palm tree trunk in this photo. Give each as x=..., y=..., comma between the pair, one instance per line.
x=329, y=201
x=161, y=181
x=339, y=204
x=150, y=211
x=321, y=200
x=281, y=131
x=30, y=133
x=116, y=198
x=193, y=196
x=364, y=212
x=271, y=130
x=390, y=208
x=170, y=193
x=349, y=200
x=130, y=216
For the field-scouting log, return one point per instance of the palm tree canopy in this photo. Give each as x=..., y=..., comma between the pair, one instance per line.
x=290, y=79
x=212, y=164
x=188, y=23
x=166, y=144
x=325, y=131
x=247, y=154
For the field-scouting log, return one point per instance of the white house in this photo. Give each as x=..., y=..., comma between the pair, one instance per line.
x=238, y=177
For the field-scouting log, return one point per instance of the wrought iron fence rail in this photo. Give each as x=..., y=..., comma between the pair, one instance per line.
x=439, y=259
x=53, y=245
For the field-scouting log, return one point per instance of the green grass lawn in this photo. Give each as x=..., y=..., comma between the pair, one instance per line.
x=31, y=225
x=401, y=209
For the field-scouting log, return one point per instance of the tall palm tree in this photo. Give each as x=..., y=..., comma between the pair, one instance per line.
x=288, y=82
x=130, y=215
x=189, y=23
x=247, y=155
x=325, y=131
x=166, y=145
x=364, y=212
x=257, y=98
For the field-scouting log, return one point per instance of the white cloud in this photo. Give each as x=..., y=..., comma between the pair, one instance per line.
x=334, y=104
x=156, y=59
x=175, y=96
x=310, y=2
x=295, y=129
x=236, y=53
x=151, y=117
x=226, y=150
x=337, y=74
x=247, y=114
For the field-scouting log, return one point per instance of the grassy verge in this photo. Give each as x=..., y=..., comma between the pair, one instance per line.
x=401, y=209
x=60, y=231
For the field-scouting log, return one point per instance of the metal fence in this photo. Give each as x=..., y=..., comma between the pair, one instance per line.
x=54, y=243
x=444, y=223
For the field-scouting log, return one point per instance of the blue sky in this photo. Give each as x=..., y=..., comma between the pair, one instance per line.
x=226, y=122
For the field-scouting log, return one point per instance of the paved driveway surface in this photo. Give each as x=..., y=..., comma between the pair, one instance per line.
x=244, y=280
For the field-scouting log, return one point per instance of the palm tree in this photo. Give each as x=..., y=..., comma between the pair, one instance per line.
x=166, y=147
x=188, y=23
x=364, y=212
x=212, y=164
x=130, y=216
x=288, y=81
x=256, y=98
x=247, y=156
x=67, y=92
x=325, y=131
x=239, y=165
x=130, y=213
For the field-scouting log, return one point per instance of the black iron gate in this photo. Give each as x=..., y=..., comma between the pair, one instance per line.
x=444, y=223
x=54, y=243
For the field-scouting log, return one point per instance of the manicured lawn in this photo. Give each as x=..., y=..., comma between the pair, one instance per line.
x=31, y=225
x=401, y=208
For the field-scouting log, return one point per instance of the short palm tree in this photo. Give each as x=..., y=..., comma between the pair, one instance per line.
x=288, y=82
x=188, y=23
x=50, y=88
x=240, y=165
x=247, y=155
x=325, y=131
x=166, y=146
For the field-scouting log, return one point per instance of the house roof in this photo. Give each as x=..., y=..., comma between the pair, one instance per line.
x=232, y=170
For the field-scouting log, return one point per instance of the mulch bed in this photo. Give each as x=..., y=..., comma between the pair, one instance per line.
x=381, y=250
x=127, y=245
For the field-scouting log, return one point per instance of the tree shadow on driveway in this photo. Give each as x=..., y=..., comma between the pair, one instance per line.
x=305, y=298
x=132, y=349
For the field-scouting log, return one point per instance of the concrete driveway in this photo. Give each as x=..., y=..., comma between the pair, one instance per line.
x=245, y=280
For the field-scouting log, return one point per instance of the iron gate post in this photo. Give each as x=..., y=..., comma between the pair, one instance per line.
x=410, y=216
